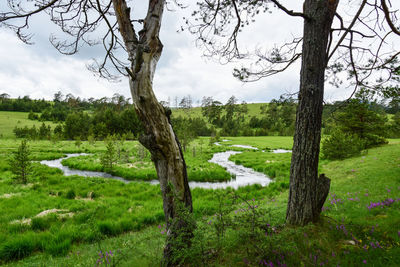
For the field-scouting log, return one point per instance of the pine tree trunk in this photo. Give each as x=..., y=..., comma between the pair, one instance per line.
x=307, y=192
x=159, y=138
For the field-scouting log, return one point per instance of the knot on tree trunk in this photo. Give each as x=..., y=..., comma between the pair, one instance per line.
x=323, y=186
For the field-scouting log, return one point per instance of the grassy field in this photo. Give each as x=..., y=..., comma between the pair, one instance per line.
x=84, y=210
x=253, y=110
x=9, y=119
x=235, y=228
x=133, y=165
x=261, y=142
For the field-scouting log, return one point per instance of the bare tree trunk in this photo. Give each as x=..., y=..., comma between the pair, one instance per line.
x=159, y=138
x=307, y=192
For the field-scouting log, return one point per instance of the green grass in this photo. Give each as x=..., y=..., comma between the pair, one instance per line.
x=133, y=166
x=253, y=110
x=117, y=208
x=124, y=218
x=261, y=142
x=271, y=164
x=10, y=119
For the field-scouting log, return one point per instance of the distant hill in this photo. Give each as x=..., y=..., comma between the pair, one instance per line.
x=253, y=110
x=10, y=119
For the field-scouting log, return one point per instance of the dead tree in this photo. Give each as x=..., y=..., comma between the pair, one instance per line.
x=78, y=19
x=331, y=44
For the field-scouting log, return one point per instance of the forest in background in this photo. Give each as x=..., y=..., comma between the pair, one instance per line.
x=87, y=119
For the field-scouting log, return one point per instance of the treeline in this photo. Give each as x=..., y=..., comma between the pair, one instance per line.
x=58, y=109
x=83, y=125
x=98, y=118
x=275, y=118
x=24, y=104
x=81, y=119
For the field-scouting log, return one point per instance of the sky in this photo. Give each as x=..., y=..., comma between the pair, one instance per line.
x=39, y=71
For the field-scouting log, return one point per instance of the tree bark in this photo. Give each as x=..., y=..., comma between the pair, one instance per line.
x=307, y=192
x=159, y=138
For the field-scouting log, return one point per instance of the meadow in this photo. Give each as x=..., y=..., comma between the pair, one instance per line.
x=82, y=210
x=134, y=162
x=57, y=220
x=9, y=119
x=253, y=110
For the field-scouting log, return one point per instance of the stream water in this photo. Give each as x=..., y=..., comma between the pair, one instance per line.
x=255, y=148
x=56, y=163
x=244, y=176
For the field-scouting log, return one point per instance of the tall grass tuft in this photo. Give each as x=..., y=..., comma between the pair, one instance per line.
x=18, y=248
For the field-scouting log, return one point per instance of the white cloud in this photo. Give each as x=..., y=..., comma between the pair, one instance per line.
x=39, y=71
x=24, y=72
x=190, y=74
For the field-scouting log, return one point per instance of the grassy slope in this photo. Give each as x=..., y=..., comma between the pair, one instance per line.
x=253, y=110
x=356, y=182
x=10, y=119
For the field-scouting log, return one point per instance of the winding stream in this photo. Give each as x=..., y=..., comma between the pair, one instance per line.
x=56, y=163
x=244, y=176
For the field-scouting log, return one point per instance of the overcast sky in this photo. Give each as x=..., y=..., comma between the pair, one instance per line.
x=39, y=71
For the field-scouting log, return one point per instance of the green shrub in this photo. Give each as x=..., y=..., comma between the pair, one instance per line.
x=20, y=163
x=372, y=140
x=340, y=145
x=109, y=158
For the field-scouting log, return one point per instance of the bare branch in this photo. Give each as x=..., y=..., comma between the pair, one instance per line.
x=355, y=18
x=388, y=18
x=290, y=12
x=15, y=15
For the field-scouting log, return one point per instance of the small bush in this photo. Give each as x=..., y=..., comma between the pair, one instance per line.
x=371, y=140
x=109, y=158
x=20, y=163
x=340, y=145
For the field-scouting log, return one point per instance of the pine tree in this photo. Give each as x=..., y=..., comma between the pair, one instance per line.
x=108, y=159
x=20, y=163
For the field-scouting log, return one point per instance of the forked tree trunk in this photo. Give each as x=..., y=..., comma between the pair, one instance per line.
x=307, y=192
x=159, y=138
